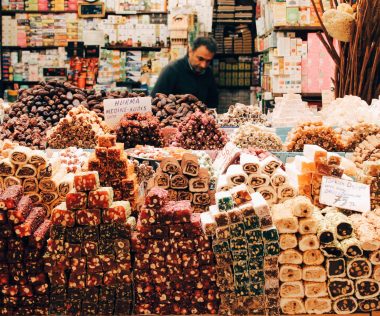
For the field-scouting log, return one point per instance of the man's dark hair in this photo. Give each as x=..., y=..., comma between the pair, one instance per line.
x=209, y=42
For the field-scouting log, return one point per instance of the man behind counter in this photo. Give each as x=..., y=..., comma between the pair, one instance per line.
x=191, y=74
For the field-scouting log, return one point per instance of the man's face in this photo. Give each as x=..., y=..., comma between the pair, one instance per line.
x=200, y=59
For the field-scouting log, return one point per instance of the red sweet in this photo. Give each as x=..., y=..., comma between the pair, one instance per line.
x=62, y=217
x=86, y=181
x=156, y=198
x=76, y=200
x=88, y=217
x=24, y=207
x=33, y=221
x=101, y=198
x=43, y=231
x=10, y=198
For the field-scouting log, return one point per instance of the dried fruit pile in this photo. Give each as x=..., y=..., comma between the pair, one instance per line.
x=172, y=109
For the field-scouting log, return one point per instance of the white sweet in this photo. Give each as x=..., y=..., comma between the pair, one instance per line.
x=290, y=110
x=350, y=110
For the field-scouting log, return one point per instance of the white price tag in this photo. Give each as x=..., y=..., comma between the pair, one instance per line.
x=114, y=109
x=225, y=157
x=345, y=194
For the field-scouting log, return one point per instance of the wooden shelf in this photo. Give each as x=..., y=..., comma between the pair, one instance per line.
x=11, y=12
x=232, y=22
x=137, y=13
x=294, y=28
x=235, y=54
x=5, y=12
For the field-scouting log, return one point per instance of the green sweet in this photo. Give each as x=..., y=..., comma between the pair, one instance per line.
x=237, y=230
x=238, y=243
x=252, y=222
x=254, y=236
x=270, y=235
x=272, y=249
x=256, y=250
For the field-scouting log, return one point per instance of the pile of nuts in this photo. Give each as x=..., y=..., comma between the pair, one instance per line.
x=172, y=109
x=139, y=129
x=250, y=135
x=314, y=133
x=240, y=114
x=79, y=128
x=94, y=101
x=200, y=131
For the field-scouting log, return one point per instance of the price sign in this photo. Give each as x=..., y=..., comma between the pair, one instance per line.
x=114, y=109
x=345, y=194
x=225, y=157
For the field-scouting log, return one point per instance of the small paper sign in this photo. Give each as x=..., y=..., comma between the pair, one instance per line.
x=345, y=194
x=225, y=157
x=114, y=109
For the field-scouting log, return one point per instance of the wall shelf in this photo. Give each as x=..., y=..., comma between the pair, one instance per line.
x=11, y=12
x=17, y=48
x=294, y=28
x=142, y=48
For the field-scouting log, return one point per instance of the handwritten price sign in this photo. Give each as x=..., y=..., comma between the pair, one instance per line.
x=114, y=109
x=345, y=194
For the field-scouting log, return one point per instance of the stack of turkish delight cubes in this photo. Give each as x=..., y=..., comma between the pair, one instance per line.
x=246, y=247
x=110, y=160
x=24, y=230
x=174, y=263
x=88, y=257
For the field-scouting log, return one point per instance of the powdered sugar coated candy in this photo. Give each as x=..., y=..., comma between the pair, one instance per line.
x=10, y=197
x=86, y=181
x=156, y=198
x=181, y=211
x=42, y=232
x=24, y=207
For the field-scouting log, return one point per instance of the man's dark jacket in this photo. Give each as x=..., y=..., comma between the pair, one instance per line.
x=179, y=78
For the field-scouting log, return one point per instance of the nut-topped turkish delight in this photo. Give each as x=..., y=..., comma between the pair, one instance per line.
x=76, y=200
x=102, y=198
x=86, y=181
